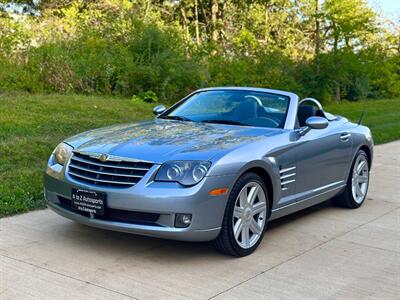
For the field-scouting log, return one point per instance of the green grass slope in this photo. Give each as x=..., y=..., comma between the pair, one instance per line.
x=32, y=125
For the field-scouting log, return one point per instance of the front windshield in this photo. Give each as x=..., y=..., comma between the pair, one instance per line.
x=235, y=107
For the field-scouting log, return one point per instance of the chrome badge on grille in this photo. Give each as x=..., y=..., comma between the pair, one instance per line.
x=104, y=157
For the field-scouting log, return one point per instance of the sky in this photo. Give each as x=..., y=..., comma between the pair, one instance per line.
x=388, y=7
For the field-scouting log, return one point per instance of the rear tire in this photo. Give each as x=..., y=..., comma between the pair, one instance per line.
x=245, y=218
x=357, y=184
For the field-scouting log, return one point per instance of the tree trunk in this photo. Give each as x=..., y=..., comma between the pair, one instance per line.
x=214, y=19
x=266, y=32
x=398, y=44
x=317, y=36
x=398, y=49
x=185, y=23
x=335, y=50
x=196, y=22
x=222, y=12
x=337, y=94
x=222, y=18
x=206, y=20
x=347, y=40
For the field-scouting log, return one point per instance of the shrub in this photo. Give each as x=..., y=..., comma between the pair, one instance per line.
x=149, y=97
x=148, y=60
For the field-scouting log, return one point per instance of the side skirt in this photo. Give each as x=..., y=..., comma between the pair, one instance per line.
x=307, y=202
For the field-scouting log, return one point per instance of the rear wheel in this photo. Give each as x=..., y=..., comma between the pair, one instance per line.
x=245, y=217
x=357, y=184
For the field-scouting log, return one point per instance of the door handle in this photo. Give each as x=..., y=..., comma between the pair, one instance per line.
x=345, y=136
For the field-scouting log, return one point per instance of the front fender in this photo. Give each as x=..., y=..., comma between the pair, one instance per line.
x=362, y=138
x=269, y=167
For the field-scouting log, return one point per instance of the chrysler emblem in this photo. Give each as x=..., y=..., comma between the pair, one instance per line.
x=103, y=157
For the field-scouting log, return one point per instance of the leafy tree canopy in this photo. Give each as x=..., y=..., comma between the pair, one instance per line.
x=331, y=49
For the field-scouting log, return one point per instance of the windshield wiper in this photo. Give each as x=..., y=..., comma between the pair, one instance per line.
x=179, y=118
x=229, y=122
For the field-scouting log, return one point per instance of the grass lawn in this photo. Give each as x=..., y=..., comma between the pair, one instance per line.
x=32, y=125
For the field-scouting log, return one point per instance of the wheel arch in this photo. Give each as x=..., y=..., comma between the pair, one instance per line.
x=367, y=151
x=267, y=180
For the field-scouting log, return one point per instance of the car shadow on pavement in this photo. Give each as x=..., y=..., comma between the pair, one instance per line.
x=122, y=244
x=300, y=214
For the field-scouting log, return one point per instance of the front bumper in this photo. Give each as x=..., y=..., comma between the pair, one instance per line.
x=164, y=199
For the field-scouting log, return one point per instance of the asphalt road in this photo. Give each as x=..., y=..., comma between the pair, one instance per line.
x=323, y=252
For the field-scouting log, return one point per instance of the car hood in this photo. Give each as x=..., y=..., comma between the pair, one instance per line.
x=161, y=140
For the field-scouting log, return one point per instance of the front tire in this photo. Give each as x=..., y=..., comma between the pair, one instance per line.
x=245, y=217
x=357, y=184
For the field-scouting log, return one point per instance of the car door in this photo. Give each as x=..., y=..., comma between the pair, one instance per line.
x=322, y=159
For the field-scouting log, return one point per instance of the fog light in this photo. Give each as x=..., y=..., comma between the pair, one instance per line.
x=183, y=220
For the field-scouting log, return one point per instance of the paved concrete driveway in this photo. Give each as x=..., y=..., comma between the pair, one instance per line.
x=322, y=252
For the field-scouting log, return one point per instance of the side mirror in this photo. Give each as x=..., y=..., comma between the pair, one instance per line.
x=317, y=122
x=159, y=109
x=314, y=123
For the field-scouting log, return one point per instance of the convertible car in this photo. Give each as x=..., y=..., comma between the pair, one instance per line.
x=216, y=166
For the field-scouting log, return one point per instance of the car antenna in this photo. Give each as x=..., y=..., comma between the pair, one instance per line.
x=363, y=113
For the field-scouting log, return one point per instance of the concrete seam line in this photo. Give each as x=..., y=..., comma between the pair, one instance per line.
x=269, y=269
x=369, y=246
x=300, y=254
x=70, y=277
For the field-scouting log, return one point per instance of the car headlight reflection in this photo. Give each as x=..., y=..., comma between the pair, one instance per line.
x=62, y=153
x=175, y=172
x=185, y=172
x=199, y=172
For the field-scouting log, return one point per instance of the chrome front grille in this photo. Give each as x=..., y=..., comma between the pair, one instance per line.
x=111, y=173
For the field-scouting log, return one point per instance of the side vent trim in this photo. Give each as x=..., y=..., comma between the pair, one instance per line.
x=287, y=176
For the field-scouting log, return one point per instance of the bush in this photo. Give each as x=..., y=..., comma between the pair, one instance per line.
x=162, y=65
x=150, y=59
x=149, y=97
x=266, y=70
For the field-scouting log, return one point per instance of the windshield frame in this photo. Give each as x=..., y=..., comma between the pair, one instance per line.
x=291, y=111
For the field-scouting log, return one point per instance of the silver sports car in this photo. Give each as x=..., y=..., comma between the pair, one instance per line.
x=216, y=166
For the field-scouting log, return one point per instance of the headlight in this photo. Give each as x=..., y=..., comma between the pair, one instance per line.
x=62, y=153
x=185, y=172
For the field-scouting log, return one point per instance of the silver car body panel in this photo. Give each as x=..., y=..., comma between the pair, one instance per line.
x=301, y=170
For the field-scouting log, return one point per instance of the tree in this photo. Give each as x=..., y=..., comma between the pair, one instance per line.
x=347, y=24
x=325, y=48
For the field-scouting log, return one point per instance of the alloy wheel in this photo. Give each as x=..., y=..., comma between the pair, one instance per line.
x=360, y=179
x=249, y=215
